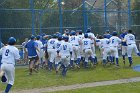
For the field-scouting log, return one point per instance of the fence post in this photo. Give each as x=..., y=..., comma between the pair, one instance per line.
x=40, y=19
x=60, y=15
x=85, y=16
x=105, y=16
x=33, y=15
x=129, y=14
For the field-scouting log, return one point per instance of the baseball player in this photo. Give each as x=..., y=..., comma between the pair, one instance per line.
x=75, y=41
x=57, y=58
x=131, y=45
x=65, y=50
x=40, y=47
x=10, y=54
x=51, y=51
x=81, y=37
x=105, y=48
x=124, y=45
x=25, y=56
x=32, y=48
x=87, y=45
x=93, y=38
x=114, y=42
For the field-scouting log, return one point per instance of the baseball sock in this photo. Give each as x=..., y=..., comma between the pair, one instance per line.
x=117, y=61
x=130, y=60
x=93, y=60
x=85, y=64
x=8, y=87
x=71, y=63
x=96, y=59
x=104, y=61
x=78, y=61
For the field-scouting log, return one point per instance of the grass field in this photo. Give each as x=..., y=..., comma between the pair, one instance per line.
x=120, y=88
x=45, y=78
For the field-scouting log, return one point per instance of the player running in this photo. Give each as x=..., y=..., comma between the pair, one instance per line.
x=87, y=45
x=10, y=54
x=65, y=50
x=131, y=45
x=114, y=43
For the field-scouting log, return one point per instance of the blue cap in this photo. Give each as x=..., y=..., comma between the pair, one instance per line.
x=11, y=41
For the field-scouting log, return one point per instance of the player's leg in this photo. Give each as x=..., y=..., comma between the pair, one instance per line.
x=72, y=58
x=86, y=58
x=10, y=73
x=124, y=50
x=78, y=57
x=116, y=56
x=129, y=53
x=31, y=65
x=104, y=56
x=136, y=50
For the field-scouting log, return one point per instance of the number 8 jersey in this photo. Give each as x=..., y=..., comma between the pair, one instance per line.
x=9, y=54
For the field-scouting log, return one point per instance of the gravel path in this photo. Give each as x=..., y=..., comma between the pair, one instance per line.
x=77, y=86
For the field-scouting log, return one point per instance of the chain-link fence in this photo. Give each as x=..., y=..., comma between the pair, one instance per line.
x=21, y=18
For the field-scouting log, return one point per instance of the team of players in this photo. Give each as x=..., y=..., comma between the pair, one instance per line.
x=75, y=48
x=68, y=50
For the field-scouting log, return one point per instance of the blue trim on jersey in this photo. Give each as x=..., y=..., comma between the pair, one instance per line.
x=108, y=36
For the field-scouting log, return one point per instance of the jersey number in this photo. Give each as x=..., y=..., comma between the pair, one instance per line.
x=52, y=42
x=85, y=42
x=73, y=38
x=112, y=41
x=7, y=52
x=64, y=47
x=131, y=37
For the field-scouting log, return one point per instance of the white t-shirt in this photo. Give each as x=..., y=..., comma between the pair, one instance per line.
x=9, y=54
x=40, y=45
x=130, y=39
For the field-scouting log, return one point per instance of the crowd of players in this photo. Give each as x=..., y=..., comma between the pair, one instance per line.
x=74, y=49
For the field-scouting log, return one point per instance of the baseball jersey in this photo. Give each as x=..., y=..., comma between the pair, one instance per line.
x=58, y=44
x=9, y=54
x=130, y=39
x=87, y=43
x=74, y=40
x=40, y=45
x=51, y=44
x=114, y=41
x=91, y=35
x=31, y=47
x=122, y=37
x=104, y=43
x=65, y=48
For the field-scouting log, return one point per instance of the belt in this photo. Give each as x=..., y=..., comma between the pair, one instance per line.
x=130, y=44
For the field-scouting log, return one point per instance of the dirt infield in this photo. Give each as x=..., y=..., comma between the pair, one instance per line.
x=78, y=86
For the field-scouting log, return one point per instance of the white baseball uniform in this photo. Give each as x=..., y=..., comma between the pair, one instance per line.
x=65, y=49
x=9, y=56
x=74, y=40
x=131, y=44
x=51, y=49
x=105, y=47
x=87, y=45
x=114, y=43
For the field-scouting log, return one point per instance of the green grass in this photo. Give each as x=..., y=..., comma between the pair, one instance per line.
x=45, y=78
x=120, y=88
